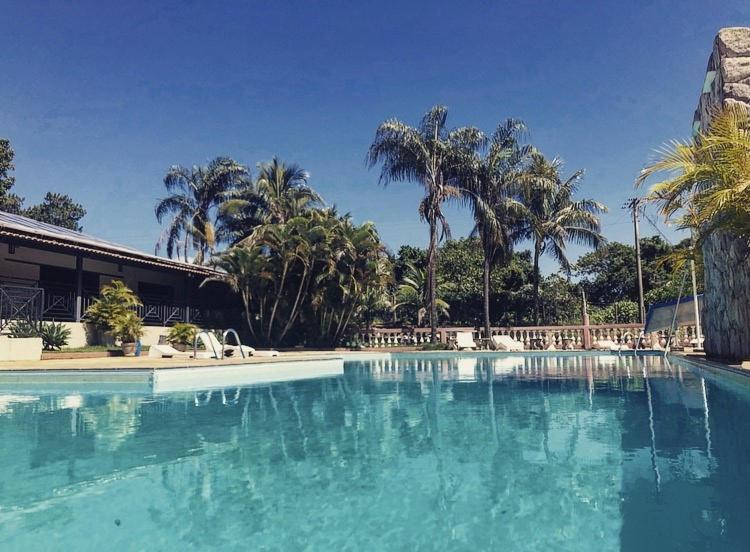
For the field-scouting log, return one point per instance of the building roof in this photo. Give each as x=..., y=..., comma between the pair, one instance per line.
x=30, y=230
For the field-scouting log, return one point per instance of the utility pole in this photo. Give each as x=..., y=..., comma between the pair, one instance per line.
x=634, y=204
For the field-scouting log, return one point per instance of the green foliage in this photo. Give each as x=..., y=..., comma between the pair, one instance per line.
x=57, y=209
x=115, y=301
x=193, y=207
x=9, y=202
x=412, y=297
x=435, y=157
x=307, y=279
x=707, y=183
x=609, y=274
x=21, y=328
x=437, y=346
x=553, y=217
x=127, y=327
x=55, y=336
x=182, y=333
x=620, y=312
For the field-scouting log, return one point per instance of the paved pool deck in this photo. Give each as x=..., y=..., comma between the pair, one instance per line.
x=146, y=363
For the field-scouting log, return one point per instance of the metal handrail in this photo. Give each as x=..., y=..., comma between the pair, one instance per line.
x=236, y=337
x=195, y=347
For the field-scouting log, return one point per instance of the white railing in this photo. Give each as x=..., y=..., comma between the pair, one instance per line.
x=533, y=337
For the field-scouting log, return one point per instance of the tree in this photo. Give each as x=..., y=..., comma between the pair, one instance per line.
x=553, y=218
x=490, y=188
x=279, y=192
x=9, y=202
x=58, y=209
x=413, y=294
x=307, y=279
x=433, y=156
x=707, y=191
x=195, y=196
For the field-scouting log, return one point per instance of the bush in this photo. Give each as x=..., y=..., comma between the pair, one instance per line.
x=127, y=327
x=22, y=329
x=54, y=336
x=114, y=302
x=436, y=347
x=182, y=333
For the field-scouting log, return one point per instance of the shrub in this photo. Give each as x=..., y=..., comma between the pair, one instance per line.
x=54, y=336
x=22, y=328
x=127, y=327
x=182, y=333
x=436, y=347
x=114, y=302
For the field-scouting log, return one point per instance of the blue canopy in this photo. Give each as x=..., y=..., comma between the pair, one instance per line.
x=660, y=315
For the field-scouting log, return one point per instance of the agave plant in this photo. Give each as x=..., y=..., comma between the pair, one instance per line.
x=54, y=335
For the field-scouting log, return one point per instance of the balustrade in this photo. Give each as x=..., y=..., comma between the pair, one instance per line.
x=549, y=338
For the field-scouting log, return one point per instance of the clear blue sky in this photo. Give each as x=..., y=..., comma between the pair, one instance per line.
x=100, y=98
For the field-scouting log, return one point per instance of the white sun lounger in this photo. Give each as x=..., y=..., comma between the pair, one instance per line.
x=213, y=348
x=506, y=343
x=164, y=350
x=465, y=340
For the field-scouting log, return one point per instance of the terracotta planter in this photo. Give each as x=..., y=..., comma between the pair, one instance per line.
x=180, y=347
x=128, y=349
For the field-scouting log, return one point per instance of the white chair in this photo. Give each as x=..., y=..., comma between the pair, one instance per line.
x=465, y=340
x=506, y=343
x=605, y=344
x=213, y=348
x=164, y=350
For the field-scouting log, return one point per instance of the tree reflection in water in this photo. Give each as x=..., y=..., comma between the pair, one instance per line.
x=536, y=452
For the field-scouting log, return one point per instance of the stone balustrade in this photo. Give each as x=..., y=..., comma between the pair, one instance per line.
x=533, y=337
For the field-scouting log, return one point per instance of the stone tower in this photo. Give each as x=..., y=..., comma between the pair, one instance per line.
x=726, y=316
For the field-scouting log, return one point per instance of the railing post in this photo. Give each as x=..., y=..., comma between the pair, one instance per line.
x=79, y=288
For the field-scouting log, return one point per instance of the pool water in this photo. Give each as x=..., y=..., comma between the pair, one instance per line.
x=566, y=452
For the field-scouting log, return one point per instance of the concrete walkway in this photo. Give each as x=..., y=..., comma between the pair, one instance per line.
x=146, y=363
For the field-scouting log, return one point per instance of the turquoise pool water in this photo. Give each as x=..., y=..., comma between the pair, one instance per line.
x=572, y=452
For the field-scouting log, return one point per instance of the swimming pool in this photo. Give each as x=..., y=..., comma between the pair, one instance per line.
x=401, y=452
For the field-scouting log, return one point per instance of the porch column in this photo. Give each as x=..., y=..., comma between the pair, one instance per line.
x=79, y=288
x=186, y=297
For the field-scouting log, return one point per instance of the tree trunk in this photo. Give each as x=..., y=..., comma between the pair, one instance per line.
x=487, y=270
x=537, y=254
x=432, y=280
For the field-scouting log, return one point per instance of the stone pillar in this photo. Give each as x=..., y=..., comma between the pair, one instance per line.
x=726, y=303
x=79, y=287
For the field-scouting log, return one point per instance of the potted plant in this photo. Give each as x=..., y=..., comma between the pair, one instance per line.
x=182, y=335
x=114, y=301
x=128, y=328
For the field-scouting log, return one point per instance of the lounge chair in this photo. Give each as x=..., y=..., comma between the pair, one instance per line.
x=165, y=350
x=604, y=344
x=465, y=340
x=213, y=348
x=506, y=343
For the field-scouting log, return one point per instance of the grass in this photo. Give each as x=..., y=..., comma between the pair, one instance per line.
x=92, y=349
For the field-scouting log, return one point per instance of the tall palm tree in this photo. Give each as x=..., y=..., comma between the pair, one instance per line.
x=431, y=155
x=553, y=218
x=491, y=192
x=279, y=193
x=193, y=203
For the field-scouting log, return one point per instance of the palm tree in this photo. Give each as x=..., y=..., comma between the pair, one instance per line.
x=431, y=155
x=553, y=218
x=491, y=191
x=709, y=184
x=279, y=192
x=707, y=190
x=193, y=203
x=413, y=291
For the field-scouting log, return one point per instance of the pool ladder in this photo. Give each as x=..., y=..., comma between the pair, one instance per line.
x=223, y=343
